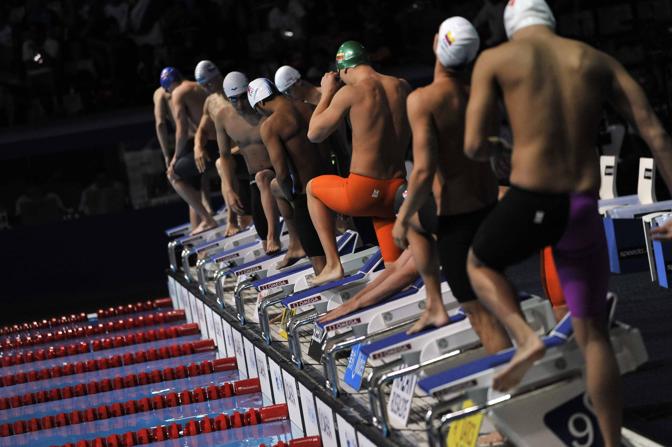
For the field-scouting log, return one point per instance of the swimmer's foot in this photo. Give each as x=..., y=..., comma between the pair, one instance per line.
x=429, y=318
x=232, y=229
x=344, y=309
x=244, y=221
x=526, y=354
x=327, y=275
x=205, y=225
x=291, y=258
x=272, y=246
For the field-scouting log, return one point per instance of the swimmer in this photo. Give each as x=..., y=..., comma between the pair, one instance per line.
x=376, y=107
x=466, y=190
x=554, y=90
x=288, y=81
x=238, y=124
x=296, y=161
x=186, y=106
x=210, y=78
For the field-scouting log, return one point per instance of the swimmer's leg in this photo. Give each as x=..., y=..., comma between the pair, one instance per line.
x=498, y=295
x=263, y=179
x=603, y=381
x=193, y=198
x=324, y=223
x=294, y=248
x=425, y=255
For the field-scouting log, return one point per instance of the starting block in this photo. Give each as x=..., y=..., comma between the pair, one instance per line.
x=549, y=407
x=177, y=246
x=184, y=229
x=662, y=254
x=282, y=283
x=623, y=225
x=356, y=267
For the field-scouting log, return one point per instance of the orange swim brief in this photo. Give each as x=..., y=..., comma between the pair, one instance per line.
x=358, y=195
x=550, y=280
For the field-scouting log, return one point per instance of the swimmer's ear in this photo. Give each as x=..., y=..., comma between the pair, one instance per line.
x=436, y=41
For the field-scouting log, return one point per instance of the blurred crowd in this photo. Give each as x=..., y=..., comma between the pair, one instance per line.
x=71, y=57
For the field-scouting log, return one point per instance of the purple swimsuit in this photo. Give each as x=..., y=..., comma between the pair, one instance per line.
x=581, y=258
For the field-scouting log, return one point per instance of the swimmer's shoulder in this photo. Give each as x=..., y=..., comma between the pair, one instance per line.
x=160, y=95
x=423, y=100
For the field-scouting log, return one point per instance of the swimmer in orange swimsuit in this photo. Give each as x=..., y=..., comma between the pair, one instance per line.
x=376, y=107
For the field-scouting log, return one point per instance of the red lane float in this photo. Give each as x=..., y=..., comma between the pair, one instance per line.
x=101, y=344
x=89, y=330
x=114, y=361
x=118, y=382
x=117, y=409
x=140, y=306
x=193, y=428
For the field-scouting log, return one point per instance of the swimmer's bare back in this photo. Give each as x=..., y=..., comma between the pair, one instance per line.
x=461, y=185
x=554, y=90
x=191, y=97
x=243, y=129
x=290, y=123
x=380, y=130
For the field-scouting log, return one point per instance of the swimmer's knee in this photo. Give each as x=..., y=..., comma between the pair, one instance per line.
x=264, y=177
x=219, y=165
x=472, y=261
x=589, y=330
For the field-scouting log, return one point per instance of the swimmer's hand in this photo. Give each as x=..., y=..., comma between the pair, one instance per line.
x=233, y=200
x=663, y=232
x=235, y=150
x=201, y=158
x=400, y=233
x=330, y=83
x=170, y=170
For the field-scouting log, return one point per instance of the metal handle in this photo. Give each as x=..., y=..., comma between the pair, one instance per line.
x=296, y=322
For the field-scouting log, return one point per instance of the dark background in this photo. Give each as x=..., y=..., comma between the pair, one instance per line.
x=76, y=79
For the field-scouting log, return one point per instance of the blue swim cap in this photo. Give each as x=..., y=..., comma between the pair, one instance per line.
x=168, y=76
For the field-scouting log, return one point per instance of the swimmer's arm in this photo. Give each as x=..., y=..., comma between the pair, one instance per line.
x=181, y=124
x=278, y=155
x=481, y=110
x=161, y=125
x=424, y=156
x=225, y=145
x=630, y=100
x=201, y=139
x=328, y=114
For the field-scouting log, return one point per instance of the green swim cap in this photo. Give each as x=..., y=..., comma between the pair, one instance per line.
x=350, y=54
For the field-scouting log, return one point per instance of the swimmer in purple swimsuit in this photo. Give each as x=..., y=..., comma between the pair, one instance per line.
x=554, y=90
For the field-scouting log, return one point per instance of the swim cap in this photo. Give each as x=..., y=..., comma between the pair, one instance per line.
x=350, y=54
x=235, y=83
x=168, y=76
x=458, y=42
x=285, y=77
x=205, y=71
x=260, y=89
x=520, y=14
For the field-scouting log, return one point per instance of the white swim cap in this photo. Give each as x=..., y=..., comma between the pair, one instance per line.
x=260, y=89
x=520, y=14
x=457, y=43
x=285, y=77
x=235, y=83
x=205, y=71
